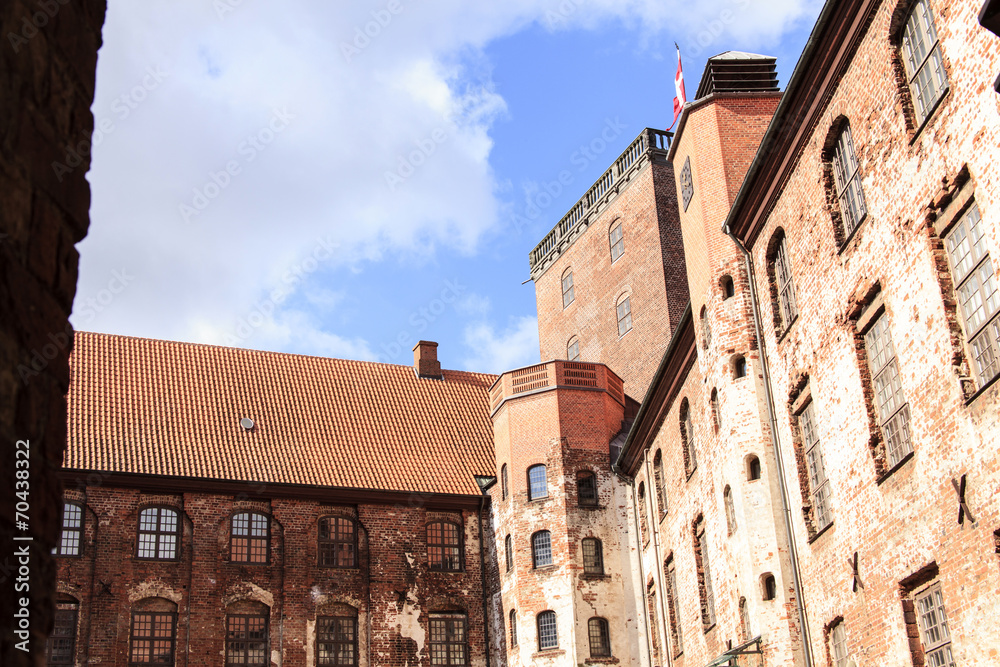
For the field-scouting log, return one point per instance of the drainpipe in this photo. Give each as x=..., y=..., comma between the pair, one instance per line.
x=657, y=575
x=643, y=614
x=769, y=399
x=482, y=576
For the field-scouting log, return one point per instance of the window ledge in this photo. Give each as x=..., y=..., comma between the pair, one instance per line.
x=593, y=576
x=609, y=660
x=548, y=653
x=690, y=473
x=982, y=390
x=819, y=533
x=930, y=114
x=888, y=473
x=854, y=232
x=781, y=336
x=709, y=628
x=590, y=507
x=545, y=568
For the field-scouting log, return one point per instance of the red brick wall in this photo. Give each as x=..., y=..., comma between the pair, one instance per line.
x=392, y=588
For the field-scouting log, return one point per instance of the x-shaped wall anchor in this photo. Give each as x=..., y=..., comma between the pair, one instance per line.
x=963, y=508
x=856, y=582
x=105, y=588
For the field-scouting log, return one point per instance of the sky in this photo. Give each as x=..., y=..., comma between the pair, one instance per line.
x=345, y=179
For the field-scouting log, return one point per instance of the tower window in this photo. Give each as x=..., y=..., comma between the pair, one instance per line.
x=548, y=637
x=567, y=287
x=921, y=53
x=624, y=309
x=593, y=556
x=600, y=638
x=617, y=239
x=541, y=549
x=537, y=483
x=586, y=489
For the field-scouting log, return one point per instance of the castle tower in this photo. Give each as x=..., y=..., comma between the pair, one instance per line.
x=610, y=276
x=558, y=514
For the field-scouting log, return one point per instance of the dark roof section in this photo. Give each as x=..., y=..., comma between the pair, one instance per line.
x=172, y=410
x=738, y=72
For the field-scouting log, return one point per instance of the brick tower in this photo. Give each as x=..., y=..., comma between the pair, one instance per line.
x=610, y=277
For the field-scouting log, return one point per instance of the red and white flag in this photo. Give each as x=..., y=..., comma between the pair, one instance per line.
x=681, y=99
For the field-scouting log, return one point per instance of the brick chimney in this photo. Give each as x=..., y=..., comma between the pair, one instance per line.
x=425, y=360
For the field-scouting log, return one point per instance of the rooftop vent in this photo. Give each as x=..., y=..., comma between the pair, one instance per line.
x=425, y=360
x=738, y=72
x=247, y=424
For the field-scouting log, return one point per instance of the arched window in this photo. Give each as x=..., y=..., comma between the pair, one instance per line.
x=159, y=534
x=573, y=349
x=504, y=485
x=847, y=180
x=567, y=287
x=593, y=556
x=728, y=287
x=508, y=544
x=779, y=270
x=744, y=621
x=337, y=638
x=600, y=638
x=661, y=487
x=444, y=546
x=740, y=367
x=541, y=549
x=617, y=239
x=753, y=468
x=247, y=634
x=338, y=542
x=921, y=53
x=586, y=489
x=537, y=482
x=643, y=521
x=60, y=649
x=704, y=574
x=513, y=627
x=727, y=498
x=153, y=633
x=716, y=415
x=548, y=636
x=71, y=537
x=687, y=437
x=706, y=330
x=769, y=588
x=624, y=310
x=250, y=538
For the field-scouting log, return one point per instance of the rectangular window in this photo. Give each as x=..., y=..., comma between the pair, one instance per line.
x=976, y=286
x=617, y=242
x=704, y=577
x=246, y=640
x=449, y=644
x=251, y=536
x=894, y=412
x=818, y=484
x=786, y=290
x=337, y=640
x=593, y=556
x=586, y=489
x=845, y=173
x=152, y=638
x=922, y=58
x=548, y=635
x=567, y=288
x=573, y=351
x=158, y=529
x=933, y=624
x=624, y=317
x=838, y=645
x=537, y=485
x=61, y=644
x=72, y=531
x=674, y=607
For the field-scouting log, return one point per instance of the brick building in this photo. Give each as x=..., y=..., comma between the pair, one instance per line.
x=764, y=430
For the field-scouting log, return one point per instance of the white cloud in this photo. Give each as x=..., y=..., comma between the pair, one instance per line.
x=515, y=346
x=473, y=304
x=414, y=102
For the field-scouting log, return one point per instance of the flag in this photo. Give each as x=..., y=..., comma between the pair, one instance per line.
x=681, y=99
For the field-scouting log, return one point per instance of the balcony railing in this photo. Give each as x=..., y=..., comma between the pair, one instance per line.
x=634, y=158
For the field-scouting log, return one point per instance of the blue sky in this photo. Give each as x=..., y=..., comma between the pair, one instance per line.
x=270, y=176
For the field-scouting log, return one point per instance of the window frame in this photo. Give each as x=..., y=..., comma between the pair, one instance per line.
x=158, y=533
x=456, y=635
x=513, y=627
x=838, y=645
x=603, y=632
x=152, y=638
x=727, y=285
x=335, y=640
x=573, y=349
x=706, y=328
x=245, y=639
x=508, y=543
x=537, y=549
x=727, y=499
x=543, y=617
x=592, y=498
x=943, y=643
x=593, y=563
x=988, y=330
x=878, y=329
x=618, y=242
x=705, y=592
x=250, y=538
x=660, y=482
x=673, y=605
x=448, y=562
x=623, y=311
x=545, y=482
x=568, y=293
x=643, y=513
x=329, y=543
x=687, y=437
x=504, y=482
x=783, y=299
x=819, y=485
x=64, y=609
x=922, y=109
x=848, y=191
x=58, y=550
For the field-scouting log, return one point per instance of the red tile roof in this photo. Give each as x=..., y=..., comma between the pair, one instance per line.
x=165, y=408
